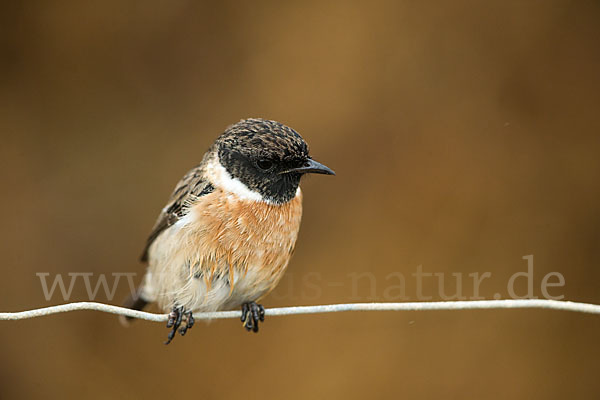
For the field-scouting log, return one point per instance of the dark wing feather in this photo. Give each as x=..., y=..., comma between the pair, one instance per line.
x=191, y=186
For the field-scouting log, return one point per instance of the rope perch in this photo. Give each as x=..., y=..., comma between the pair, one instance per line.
x=330, y=308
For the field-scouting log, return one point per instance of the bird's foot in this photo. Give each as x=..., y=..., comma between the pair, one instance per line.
x=178, y=316
x=251, y=314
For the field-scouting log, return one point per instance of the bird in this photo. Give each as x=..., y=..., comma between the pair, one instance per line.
x=228, y=231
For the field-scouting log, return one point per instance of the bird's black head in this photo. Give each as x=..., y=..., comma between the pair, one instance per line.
x=268, y=157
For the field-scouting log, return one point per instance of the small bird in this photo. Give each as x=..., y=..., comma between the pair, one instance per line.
x=226, y=235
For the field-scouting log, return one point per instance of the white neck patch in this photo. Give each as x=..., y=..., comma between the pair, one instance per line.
x=223, y=179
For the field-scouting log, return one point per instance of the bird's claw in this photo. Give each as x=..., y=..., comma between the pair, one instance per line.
x=252, y=313
x=176, y=317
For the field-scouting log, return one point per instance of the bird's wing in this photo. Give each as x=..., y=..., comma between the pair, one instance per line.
x=189, y=188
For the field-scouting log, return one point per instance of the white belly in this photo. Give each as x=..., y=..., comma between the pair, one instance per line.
x=221, y=254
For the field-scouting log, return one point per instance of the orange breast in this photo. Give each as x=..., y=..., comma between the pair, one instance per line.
x=245, y=238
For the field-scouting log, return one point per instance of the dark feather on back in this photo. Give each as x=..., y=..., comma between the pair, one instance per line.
x=191, y=186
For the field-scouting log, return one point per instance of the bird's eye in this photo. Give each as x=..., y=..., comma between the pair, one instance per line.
x=264, y=164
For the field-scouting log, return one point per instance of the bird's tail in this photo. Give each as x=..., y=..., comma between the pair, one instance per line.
x=135, y=302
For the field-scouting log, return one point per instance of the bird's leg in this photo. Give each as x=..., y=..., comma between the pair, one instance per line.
x=189, y=323
x=174, y=321
x=252, y=313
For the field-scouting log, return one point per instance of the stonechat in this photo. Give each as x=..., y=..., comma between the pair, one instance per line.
x=226, y=235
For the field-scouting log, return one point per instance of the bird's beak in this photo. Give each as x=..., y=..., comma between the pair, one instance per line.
x=311, y=166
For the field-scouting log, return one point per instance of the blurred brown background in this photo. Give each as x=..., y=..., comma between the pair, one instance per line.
x=465, y=135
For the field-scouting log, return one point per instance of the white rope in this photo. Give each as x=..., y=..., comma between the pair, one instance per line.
x=415, y=306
